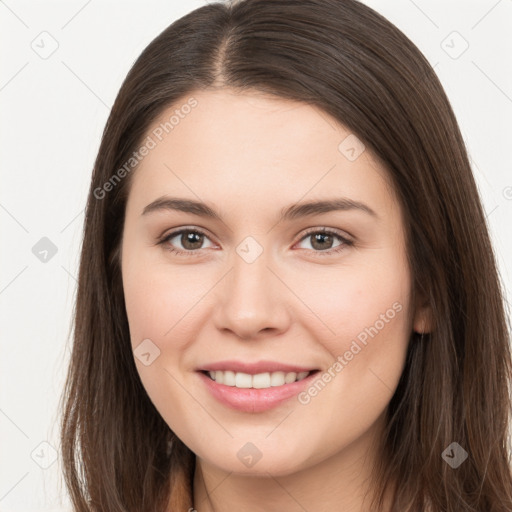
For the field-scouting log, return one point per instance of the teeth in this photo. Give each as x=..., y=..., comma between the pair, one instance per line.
x=258, y=381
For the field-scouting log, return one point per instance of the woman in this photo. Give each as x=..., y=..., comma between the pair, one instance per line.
x=287, y=296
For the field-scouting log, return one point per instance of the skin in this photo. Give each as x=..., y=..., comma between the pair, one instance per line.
x=248, y=156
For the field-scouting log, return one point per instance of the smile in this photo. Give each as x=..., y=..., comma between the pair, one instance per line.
x=255, y=393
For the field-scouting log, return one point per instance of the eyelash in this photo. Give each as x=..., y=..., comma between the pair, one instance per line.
x=345, y=242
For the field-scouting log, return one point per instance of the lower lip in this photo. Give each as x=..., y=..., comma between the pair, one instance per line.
x=252, y=399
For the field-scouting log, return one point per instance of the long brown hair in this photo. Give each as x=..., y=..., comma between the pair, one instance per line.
x=349, y=61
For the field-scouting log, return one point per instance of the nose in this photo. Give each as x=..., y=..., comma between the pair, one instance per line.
x=252, y=301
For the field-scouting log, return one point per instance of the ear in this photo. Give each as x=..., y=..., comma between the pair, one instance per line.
x=422, y=321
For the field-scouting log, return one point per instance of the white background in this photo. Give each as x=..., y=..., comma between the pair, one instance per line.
x=53, y=112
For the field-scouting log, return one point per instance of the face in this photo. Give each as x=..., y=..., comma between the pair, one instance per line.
x=257, y=282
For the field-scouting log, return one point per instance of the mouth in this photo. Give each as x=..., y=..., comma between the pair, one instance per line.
x=255, y=393
x=262, y=380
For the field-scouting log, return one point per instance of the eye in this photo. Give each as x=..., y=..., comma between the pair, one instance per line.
x=322, y=239
x=190, y=239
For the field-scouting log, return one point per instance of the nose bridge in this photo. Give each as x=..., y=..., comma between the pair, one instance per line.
x=250, y=274
x=251, y=298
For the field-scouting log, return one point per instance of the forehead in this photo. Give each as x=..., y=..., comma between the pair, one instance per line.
x=238, y=148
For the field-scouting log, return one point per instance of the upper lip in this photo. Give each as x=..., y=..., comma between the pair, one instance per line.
x=255, y=368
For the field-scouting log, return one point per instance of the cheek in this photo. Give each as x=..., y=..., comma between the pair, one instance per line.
x=366, y=310
x=363, y=314
x=348, y=299
x=160, y=300
x=160, y=306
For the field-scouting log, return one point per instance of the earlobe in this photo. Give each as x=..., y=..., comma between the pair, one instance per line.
x=422, y=323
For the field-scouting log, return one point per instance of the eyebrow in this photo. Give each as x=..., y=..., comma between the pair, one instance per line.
x=291, y=212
